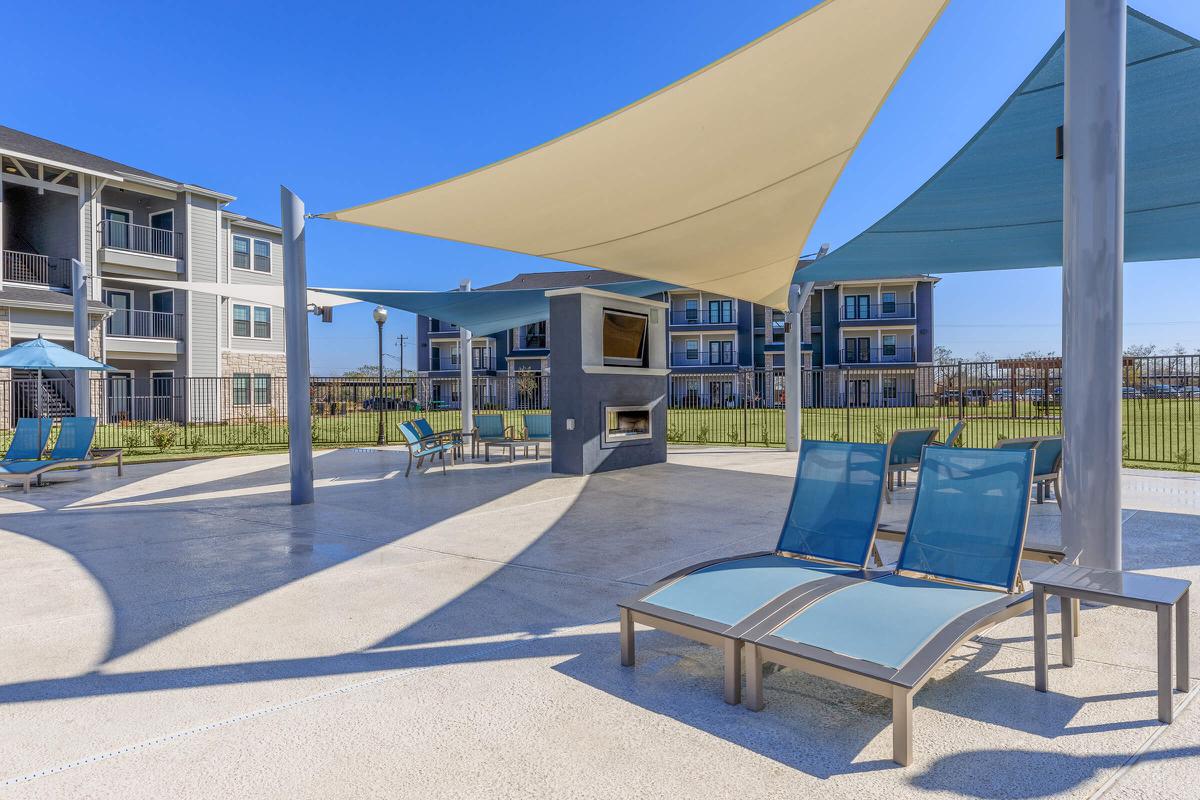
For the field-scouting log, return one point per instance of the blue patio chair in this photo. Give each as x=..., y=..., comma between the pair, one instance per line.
x=426, y=431
x=490, y=427
x=29, y=439
x=537, y=427
x=904, y=454
x=958, y=572
x=1047, y=463
x=72, y=449
x=423, y=447
x=955, y=433
x=828, y=537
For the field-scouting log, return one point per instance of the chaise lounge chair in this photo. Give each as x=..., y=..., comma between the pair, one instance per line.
x=29, y=439
x=958, y=572
x=827, y=538
x=904, y=453
x=955, y=433
x=72, y=449
x=423, y=447
x=489, y=428
x=537, y=427
x=1047, y=461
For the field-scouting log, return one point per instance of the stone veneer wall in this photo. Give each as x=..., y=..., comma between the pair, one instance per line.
x=273, y=364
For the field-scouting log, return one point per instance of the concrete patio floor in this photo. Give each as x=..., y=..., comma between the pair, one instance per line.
x=183, y=632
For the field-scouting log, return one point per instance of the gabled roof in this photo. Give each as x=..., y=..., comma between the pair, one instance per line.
x=31, y=297
x=562, y=279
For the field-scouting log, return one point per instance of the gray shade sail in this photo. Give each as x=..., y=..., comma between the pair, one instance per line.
x=998, y=203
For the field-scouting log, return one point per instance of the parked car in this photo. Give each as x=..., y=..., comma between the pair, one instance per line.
x=1036, y=395
x=1189, y=391
x=1056, y=395
x=977, y=397
x=1160, y=390
x=1002, y=395
x=1130, y=392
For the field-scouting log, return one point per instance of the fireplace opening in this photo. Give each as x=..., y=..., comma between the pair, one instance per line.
x=626, y=423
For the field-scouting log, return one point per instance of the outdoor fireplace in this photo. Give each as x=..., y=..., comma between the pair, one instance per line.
x=626, y=423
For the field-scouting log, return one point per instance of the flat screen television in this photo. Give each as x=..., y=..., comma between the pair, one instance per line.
x=624, y=338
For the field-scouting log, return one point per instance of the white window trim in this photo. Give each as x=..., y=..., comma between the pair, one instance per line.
x=251, y=337
x=252, y=240
x=249, y=390
x=254, y=395
x=160, y=373
x=163, y=291
x=154, y=214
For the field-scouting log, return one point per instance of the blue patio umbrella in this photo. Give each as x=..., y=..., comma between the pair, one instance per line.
x=41, y=354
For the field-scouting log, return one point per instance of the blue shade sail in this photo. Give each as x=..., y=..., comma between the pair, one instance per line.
x=884, y=621
x=998, y=203
x=486, y=310
x=42, y=353
x=835, y=501
x=968, y=518
x=730, y=591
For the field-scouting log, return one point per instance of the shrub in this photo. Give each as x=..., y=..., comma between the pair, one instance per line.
x=196, y=440
x=702, y=435
x=878, y=435
x=134, y=437
x=163, y=435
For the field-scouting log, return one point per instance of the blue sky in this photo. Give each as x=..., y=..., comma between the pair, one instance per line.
x=357, y=101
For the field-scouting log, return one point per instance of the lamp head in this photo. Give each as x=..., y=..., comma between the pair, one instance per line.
x=380, y=314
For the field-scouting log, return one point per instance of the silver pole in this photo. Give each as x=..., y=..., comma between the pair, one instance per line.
x=79, y=290
x=1093, y=256
x=465, y=395
x=793, y=381
x=295, y=300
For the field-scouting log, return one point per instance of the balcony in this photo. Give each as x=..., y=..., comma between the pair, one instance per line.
x=145, y=324
x=38, y=270
x=703, y=317
x=878, y=355
x=479, y=362
x=680, y=359
x=141, y=239
x=877, y=311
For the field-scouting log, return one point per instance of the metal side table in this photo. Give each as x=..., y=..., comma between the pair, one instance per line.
x=1129, y=589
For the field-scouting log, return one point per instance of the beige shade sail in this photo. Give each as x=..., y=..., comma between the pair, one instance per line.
x=713, y=182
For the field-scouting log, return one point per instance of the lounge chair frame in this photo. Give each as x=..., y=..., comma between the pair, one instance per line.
x=508, y=434
x=437, y=444
x=894, y=471
x=1046, y=481
x=96, y=457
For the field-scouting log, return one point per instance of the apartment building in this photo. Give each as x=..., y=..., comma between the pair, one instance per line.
x=862, y=342
x=136, y=233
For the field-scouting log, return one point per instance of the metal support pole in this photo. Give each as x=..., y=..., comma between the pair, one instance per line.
x=79, y=295
x=465, y=395
x=295, y=309
x=381, y=441
x=1093, y=256
x=793, y=381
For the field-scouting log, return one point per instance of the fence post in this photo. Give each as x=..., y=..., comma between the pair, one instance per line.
x=961, y=389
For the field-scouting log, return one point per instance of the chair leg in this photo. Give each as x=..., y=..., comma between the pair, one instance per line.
x=626, y=637
x=754, y=677
x=902, y=711
x=733, y=671
x=410, y=460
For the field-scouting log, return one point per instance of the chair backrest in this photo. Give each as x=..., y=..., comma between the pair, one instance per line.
x=969, y=515
x=422, y=426
x=410, y=433
x=75, y=435
x=955, y=432
x=490, y=426
x=29, y=439
x=537, y=426
x=1048, y=456
x=835, y=501
x=906, y=444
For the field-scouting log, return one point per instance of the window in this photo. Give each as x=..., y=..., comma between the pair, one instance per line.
x=888, y=303
x=692, y=349
x=262, y=322
x=241, y=252
x=533, y=337
x=889, y=388
x=262, y=389
x=720, y=311
x=435, y=325
x=720, y=352
x=262, y=255
x=241, y=388
x=242, y=316
x=691, y=310
x=435, y=357
x=889, y=345
x=858, y=306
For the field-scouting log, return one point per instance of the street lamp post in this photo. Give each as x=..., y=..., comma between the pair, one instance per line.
x=380, y=314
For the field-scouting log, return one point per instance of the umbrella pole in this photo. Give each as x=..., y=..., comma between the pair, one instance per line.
x=39, y=403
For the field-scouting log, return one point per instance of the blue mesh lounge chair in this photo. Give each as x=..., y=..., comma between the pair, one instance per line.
x=490, y=427
x=426, y=431
x=1047, y=461
x=537, y=427
x=958, y=572
x=904, y=453
x=955, y=433
x=73, y=448
x=29, y=439
x=423, y=447
x=827, y=538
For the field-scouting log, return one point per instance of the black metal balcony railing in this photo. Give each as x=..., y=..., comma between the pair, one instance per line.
x=145, y=324
x=530, y=342
x=141, y=239
x=855, y=312
x=37, y=269
x=703, y=317
x=877, y=355
x=478, y=362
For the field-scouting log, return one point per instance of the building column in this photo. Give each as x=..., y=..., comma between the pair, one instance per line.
x=82, y=336
x=466, y=397
x=793, y=380
x=295, y=312
x=1093, y=256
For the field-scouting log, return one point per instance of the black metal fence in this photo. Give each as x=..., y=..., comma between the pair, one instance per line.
x=1002, y=399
